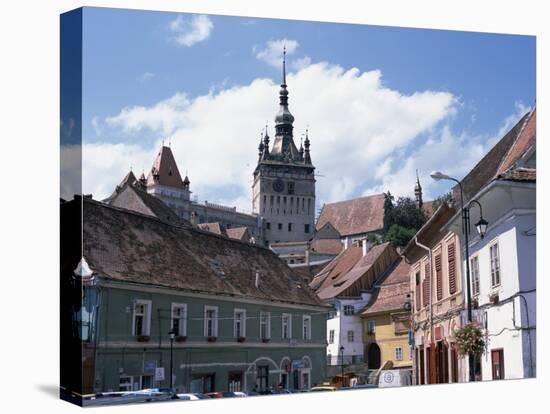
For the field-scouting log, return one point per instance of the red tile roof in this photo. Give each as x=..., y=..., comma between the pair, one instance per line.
x=165, y=170
x=501, y=158
x=239, y=233
x=360, y=215
x=351, y=272
x=391, y=294
x=129, y=247
x=215, y=228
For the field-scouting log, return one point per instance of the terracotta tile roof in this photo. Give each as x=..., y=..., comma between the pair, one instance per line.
x=131, y=197
x=239, y=233
x=520, y=174
x=428, y=208
x=326, y=246
x=216, y=228
x=391, y=293
x=500, y=158
x=165, y=170
x=126, y=246
x=351, y=272
x=360, y=215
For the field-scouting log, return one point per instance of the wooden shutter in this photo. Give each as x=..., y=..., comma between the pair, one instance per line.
x=417, y=297
x=439, y=277
x=426, y=286
x=452, y=268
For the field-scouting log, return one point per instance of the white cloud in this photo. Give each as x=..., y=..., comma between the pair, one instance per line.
x=272, y=53
x=188, y=32
x=355, y=124
x=144, y=77
x=301, y=63
x=96, y=125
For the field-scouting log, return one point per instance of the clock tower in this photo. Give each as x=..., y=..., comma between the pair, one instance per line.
x=283, y=193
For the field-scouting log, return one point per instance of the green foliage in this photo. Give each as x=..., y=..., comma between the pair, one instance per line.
x=399, y=235
x=469, y=340
x=445, y=198
x=388, y=211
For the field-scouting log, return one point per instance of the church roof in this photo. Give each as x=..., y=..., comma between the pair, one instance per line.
x=165, y=170
x=129, y=247
x=356, y=216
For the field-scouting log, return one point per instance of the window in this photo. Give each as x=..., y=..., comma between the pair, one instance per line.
x=263, y=378
x=399, y=353
x=289, y=226
x=290, y=185
x=268, y=225
x=265, y=325
x=371, y=327
x=451, y=268
x=306, y=327
x=210, y=321
x=179, y=319
x=239, y=323
x=495, y=265
x=331, y=336
x=306, y=228
x=349, y=310
x=142, y=318
x=474, y=264
x=417, y=291
x=438, y=277
x=497, y=363
x=287, y=326
x=280, y=226
x=351, y=336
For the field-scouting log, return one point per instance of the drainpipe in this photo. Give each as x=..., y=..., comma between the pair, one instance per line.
x=432, y=342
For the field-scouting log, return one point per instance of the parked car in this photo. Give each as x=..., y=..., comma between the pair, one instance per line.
x=324, y=388
x=192, y=396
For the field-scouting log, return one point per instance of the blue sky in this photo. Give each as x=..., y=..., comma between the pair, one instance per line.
x=414, y=94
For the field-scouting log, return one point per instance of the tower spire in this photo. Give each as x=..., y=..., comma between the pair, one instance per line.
x=307, y=157
x=418, y=192
x=284, y=66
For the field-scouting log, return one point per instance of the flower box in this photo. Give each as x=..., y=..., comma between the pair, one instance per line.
x=211, y=339
x=181, y=338
x=143, y=338
x=493, y=298
x=475, y=303
x=265, y=340
x=241, y=339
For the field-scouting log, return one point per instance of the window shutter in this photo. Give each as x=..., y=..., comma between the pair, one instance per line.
x=439, y=277
x=417, y=297
x=452, y=268
x=426, y=286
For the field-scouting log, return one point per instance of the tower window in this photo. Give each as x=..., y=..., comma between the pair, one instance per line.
x=289, y=226
x=280, y=226
x=271, y=200
x=306, y=228
x=268, y=225
x=290, y=187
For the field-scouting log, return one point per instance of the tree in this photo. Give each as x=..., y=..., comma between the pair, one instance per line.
x=406, y=214
x=399, y=236
x=388, y=211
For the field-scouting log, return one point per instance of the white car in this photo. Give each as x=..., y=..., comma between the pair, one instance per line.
x=192, y=397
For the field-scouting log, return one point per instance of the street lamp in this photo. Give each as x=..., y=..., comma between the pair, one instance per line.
x=481, y=227
x=342, y=363
x=172, y=334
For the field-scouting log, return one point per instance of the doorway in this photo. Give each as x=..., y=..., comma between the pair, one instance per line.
x=373, y=356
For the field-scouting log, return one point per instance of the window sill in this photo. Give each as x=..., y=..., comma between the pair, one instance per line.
x=211, y=338
x=143, y=338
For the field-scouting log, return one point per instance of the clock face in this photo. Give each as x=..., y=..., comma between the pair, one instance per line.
x=278, y=185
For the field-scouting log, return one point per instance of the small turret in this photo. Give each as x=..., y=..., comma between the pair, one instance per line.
x=418, y=192
x=307, y=157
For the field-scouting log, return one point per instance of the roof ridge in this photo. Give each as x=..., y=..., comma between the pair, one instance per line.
x=526, y=117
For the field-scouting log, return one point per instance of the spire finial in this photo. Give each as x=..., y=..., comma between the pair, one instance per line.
x=284, y=65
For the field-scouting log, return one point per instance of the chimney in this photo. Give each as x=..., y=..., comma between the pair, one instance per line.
x=307, y=257
x=365, y=243
x=257, y=283
x=194, y=218
x=346, y=243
